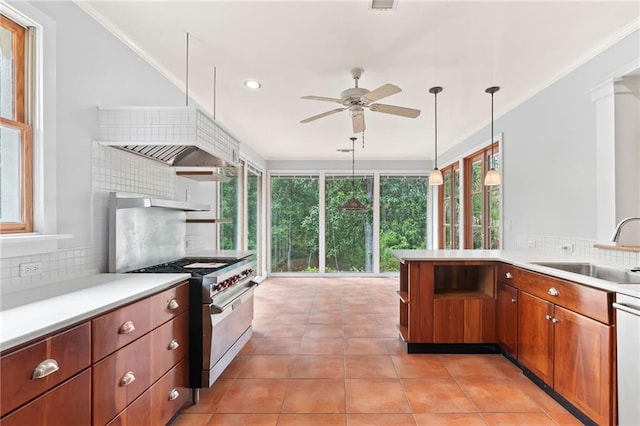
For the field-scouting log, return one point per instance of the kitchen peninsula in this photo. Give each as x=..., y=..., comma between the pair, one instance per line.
x=557, y=326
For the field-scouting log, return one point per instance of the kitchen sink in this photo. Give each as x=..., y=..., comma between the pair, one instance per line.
x=619, y=276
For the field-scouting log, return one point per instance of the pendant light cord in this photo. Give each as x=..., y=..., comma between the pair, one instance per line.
x=435, y=101
x=186, y=84
x=492, y=159
x=353, y=167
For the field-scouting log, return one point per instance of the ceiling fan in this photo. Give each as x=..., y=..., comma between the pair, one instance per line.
x=356, y=99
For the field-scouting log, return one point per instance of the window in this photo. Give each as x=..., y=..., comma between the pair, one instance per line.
x=449, y=214
x=16, y=151
x=348, y=234
x=229, y=211
x=482, y=203
x=295, y=223
x=403, y=217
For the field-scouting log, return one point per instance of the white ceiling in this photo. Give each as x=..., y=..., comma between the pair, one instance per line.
x=297, y=48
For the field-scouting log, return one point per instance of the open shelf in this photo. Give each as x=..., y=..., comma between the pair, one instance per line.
x=404, y=332
x=404, y=296
x=456, y=280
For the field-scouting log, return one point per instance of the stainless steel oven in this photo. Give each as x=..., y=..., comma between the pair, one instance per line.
x=148, y=235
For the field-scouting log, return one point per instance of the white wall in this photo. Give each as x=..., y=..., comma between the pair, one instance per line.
x=549, y=152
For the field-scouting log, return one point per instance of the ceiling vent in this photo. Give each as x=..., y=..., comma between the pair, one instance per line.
x=383, y=4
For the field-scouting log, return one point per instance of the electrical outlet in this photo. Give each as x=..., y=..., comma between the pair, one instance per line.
x=28, y=269
x=531, y=243
x=567, y=247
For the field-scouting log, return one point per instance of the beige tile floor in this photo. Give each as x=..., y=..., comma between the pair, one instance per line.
x=325, y=351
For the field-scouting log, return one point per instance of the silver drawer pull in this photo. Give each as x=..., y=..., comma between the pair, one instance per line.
x=174, y=394
x=127, y=379
x=548, y=317
x=514, y=300
x=173, y=345
x=127, y=328
x=509, y=275
x=553, y=291
x=45, y=368
x=555, y=320
x=173, y=305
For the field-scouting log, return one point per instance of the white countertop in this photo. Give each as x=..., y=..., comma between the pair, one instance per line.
x=523, y=259
x=39, y=311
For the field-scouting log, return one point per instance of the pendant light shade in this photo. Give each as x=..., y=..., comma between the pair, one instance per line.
x=435, y=177
x=353, y=204
x=492, y=178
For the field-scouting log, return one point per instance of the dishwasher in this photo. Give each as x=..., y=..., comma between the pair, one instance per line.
x=628, y=340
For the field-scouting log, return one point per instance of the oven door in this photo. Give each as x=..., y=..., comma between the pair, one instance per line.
x=229, y=320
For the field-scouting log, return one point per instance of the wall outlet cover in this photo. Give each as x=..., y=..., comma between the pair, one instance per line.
x=28, y=269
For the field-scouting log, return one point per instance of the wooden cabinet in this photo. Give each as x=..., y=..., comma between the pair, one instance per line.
x=447, y=302
x=37, y=368
x=131, y=360
x=67, y=404
x=507, y=318
x=569, y=351
x=130, y=371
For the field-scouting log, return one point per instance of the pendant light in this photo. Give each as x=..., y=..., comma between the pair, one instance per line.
x=353, y=204
x=492, y=178
x=435, y=177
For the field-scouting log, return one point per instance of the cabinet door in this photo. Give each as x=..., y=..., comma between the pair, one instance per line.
x=583, y=363
x=507, y=319
x=535, y=336
x=448, y=323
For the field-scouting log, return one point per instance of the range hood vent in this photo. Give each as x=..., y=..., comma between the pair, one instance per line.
x=177, y=136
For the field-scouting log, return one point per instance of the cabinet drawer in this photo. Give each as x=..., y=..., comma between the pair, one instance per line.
x=159, y=403
x=579, y=298
x=169, y=344
x=68, y=404
x=121, y=378
x=120, y=327
x=169, y=304
x=171, y=392
x=70, y=350
x=506, y=273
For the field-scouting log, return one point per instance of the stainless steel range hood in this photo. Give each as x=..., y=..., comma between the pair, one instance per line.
x=177, y=136
x=119, y=200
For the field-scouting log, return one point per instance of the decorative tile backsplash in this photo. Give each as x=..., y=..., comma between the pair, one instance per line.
x=576, y=247
x=112, y=170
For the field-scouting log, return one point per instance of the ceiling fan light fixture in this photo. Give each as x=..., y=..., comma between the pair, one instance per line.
x=492, y=178
x=252, y=84
x=435, y=177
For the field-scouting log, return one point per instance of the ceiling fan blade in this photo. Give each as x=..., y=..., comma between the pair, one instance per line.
x=357, y=119
x=381, y=92
x=322, y=98
x=324, y=114
x=395, y=110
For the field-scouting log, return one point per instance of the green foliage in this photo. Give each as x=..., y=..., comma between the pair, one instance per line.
x=229, y=210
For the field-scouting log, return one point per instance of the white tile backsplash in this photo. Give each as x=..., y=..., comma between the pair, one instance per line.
x=112, y=170
x=583, y=248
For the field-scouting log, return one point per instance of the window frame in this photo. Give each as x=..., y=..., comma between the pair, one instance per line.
x=450, y=170
x=484, y=156
x=19, y=122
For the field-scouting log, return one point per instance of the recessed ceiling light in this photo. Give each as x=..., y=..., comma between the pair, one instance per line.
x=252, y=84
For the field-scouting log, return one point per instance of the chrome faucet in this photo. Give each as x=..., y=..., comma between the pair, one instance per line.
x=616, y=234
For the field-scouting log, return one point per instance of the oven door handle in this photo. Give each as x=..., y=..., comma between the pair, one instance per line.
x=234, y=303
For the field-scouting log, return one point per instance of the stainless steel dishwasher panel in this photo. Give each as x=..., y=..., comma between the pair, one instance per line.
x=628, y=340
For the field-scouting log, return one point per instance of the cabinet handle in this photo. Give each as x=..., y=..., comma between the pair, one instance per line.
x=553, y=292
x=173, y=345
x=509, y=275
x=127, y=328
x=514, y=300
x=555, y=320
x=45, y=368
x=173, y=305
x=174, y=394
x=548, y=317
x=127, y=379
